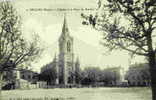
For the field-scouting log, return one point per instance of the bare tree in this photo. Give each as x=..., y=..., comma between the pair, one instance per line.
x=14, y=49
x=136, y=36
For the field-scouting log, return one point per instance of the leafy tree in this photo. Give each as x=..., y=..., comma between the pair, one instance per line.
x=78, y=74
x=111, y=75
x=50, y=74
x=91, y=75
x=136, y=36
x=15, y=50
x=138, y=73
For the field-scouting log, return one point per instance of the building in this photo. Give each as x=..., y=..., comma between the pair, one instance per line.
x=26, y=79
x=64, y=63
x=20, y=79
x=29, y=75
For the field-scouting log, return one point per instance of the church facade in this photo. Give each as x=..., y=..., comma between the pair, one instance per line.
x=64, y=63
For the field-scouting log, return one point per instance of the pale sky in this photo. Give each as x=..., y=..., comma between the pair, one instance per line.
x=48, y=25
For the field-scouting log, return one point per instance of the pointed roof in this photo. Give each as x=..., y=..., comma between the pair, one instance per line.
x=65, y=29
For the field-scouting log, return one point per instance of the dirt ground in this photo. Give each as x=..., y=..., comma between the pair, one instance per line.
x=79, y=94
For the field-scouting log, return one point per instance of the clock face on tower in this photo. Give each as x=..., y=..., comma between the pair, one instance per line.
x=68, y=46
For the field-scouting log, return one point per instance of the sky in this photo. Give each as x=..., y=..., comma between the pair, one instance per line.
x=44, y=17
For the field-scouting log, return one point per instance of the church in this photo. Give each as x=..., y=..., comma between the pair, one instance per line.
x=64, y=63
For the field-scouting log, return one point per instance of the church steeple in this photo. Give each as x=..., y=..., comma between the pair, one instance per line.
x=66, y=55
x=65, y=29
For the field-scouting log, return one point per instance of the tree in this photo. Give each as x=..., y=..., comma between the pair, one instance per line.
x=77, y=74
x=136, y=36
x=50, y=74
x=138, y=74
x=15, y=51
x=91, y=75
x=110, y=76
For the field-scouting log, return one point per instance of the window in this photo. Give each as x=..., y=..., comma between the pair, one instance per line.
x=23, y=77
x=68, y=46
x=29, y=77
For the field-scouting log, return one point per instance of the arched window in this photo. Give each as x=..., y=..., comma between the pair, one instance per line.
x=23, y=77
x=68, y=46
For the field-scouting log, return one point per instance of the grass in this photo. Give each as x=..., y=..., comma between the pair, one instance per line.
x=79, y=94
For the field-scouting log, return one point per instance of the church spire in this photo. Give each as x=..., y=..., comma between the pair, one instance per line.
x=65, y=29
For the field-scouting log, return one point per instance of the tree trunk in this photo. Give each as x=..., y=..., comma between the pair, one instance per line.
x=152, y=64
x=1, y=77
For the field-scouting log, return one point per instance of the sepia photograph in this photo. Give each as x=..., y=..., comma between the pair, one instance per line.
x=77, y=49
